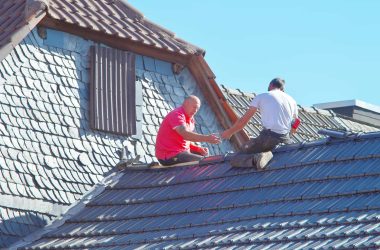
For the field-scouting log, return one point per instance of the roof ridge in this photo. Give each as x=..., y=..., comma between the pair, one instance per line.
x=332, y=135
x=237, y=91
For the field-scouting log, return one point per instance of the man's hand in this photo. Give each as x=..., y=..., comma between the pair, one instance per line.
x=213, y=139
x=203, y=151
x=239, y=124
x=226, y=134
x=195, y=137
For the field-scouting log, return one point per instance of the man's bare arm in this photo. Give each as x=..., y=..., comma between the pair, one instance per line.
x=239, y=124
x=195, y=137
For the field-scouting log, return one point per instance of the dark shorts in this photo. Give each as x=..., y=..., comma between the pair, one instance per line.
x=181, y=158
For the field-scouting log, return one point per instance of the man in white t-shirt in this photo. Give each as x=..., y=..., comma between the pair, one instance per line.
x=279, y=117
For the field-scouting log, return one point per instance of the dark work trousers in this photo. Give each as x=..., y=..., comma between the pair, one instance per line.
x=181, y=158
x=266, y=141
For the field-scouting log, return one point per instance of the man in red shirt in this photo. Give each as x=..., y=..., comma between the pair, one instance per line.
x=175, y=136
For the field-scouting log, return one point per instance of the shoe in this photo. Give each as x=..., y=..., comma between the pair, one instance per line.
x=261, y=159
x=242, y=161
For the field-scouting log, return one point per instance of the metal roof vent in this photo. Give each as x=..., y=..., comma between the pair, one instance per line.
x=334, y=134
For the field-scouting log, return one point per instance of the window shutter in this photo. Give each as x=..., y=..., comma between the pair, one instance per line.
x=112, y=91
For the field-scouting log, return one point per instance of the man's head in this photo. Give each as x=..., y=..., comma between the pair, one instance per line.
x=277, y=83
x=191, y=105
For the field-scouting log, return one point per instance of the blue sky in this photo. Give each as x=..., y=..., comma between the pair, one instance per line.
x=326, y=50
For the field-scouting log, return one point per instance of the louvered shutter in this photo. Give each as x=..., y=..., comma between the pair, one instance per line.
x=112, y=91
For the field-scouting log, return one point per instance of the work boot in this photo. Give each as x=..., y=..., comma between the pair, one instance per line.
x=261, y=159
x=242, y=161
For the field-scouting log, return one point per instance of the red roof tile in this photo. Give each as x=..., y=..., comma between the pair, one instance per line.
x=115, y=18
x=109, y=17
x=17, y=17
x=10, y=18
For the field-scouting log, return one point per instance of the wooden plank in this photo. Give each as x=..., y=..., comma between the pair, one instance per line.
x=131, y=93
x=221, y=109
x=190, y=163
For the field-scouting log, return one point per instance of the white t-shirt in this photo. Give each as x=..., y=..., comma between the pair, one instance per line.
x=277, y=110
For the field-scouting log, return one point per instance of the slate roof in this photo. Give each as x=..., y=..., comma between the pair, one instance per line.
x=313, y=119
x=49, y=156
x=323, y=194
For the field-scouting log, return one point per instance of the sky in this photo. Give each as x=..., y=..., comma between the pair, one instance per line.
x=326, y=50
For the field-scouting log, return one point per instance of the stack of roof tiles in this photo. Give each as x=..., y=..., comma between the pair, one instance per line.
x=323, y=194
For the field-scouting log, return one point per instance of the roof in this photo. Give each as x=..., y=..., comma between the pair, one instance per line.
x=348, y=103
x=324, y=193
x=16, y=223
x=312, y=119
x=118, y=18
x=49, y=156
x=100, y=20
x=17, y=19
x=356, y=110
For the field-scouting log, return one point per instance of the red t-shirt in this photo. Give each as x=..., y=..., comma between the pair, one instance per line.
x=169, y=143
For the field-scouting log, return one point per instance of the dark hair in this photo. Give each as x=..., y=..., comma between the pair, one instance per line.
x=278, y=83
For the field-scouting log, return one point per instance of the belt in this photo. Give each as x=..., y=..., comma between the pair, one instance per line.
x=277, y=134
